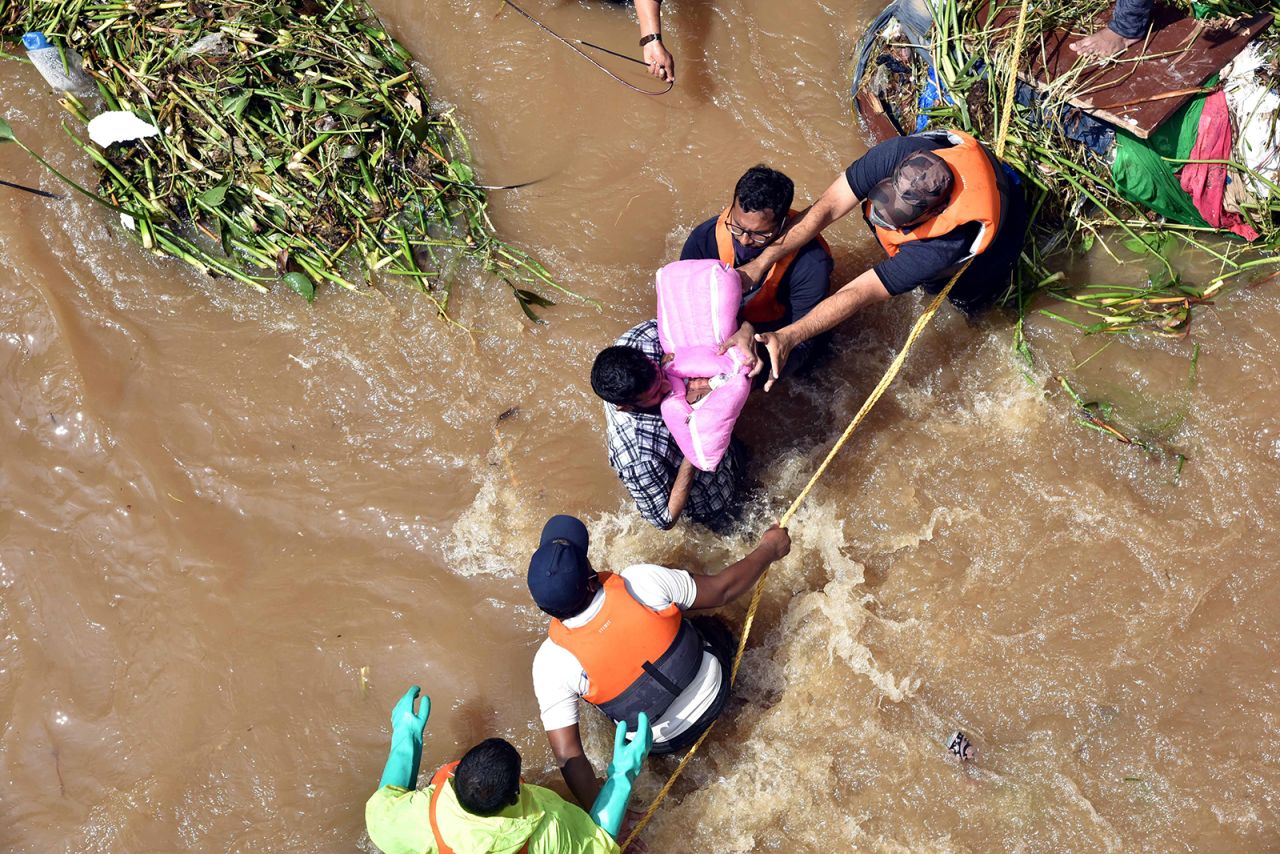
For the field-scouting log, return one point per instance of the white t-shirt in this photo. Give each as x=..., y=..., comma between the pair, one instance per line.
x=559, y=680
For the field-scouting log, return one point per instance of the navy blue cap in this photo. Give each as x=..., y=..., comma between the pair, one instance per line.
x=559, y=570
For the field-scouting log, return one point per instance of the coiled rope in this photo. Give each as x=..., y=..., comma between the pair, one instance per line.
x=885, y=381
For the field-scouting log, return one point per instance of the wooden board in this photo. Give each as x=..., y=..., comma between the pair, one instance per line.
x=1137, y=95
x=878, y=122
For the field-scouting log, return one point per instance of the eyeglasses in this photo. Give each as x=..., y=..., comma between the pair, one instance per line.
x=755, y=238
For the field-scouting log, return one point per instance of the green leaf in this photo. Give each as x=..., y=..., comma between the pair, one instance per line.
x=235, y=105
x=528, y=312
x=1135, y=244
x=6, y=132
x=215, y=195
x=462, y=172
x=1159, y=242
x=531, y=297
x=370, y=61
x=353, y=110
x=224, y=235
x=420, y=129
x=300, y=284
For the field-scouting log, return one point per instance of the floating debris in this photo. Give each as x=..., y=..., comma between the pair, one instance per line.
x=107, y=129
x=960, y=746
x=920, y=69
x=297, y=145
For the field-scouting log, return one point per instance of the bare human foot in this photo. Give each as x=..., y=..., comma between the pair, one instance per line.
x=1105, y=42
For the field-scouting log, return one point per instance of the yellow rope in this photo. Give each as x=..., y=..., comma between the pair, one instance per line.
x=1011, y=88
x=872, y=399
x=885, y=381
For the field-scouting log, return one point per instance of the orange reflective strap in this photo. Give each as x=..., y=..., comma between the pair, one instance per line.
x=764, y=305
x=441, y=777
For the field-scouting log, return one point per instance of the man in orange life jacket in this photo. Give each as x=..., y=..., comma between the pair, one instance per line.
x=795, y=283
x=621, y=642
x=933, y=200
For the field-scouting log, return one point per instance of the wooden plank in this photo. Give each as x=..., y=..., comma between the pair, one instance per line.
x=878, y=122
x=1143, y=87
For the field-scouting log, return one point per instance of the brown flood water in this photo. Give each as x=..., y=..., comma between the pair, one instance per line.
x=233, y=528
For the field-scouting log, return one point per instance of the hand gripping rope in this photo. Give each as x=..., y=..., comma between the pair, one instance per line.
x=885, y=381
x=573, y=46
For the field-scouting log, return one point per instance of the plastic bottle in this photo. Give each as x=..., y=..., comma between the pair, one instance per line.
x=48, y=61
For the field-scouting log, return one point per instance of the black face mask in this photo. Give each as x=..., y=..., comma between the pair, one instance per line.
x=743, y=254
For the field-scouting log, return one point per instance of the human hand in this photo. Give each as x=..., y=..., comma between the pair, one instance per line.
x=1104, y=43
x=629, y=822
x=744, y=340
x=628, y=757
x=611, y=804
x=777, y=541
x=406, y=741
x=661, y=64
x=402, y=716
x=749, y=274
x=779, y=346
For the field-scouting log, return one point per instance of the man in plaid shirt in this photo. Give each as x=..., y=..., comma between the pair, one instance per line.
x=642, y=450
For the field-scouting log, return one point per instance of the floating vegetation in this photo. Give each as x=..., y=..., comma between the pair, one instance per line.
x=297, y=145
x=1102, y=416
x=1077, y=202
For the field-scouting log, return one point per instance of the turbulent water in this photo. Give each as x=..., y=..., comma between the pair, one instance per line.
x=234, y=528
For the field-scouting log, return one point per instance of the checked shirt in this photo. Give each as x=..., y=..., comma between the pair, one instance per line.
x=646, y=457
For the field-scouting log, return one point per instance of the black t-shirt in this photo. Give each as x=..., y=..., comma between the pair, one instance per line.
x=932, y=261
x=804, y=285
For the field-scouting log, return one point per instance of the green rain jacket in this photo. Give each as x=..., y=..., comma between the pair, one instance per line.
x=398, y=821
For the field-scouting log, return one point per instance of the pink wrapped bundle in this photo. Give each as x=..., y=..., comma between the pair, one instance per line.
x=697, y=310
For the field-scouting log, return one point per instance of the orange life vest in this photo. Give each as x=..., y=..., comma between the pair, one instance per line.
x=442, y=777
x=975, y=197
x=764, y=305
x=636, y=659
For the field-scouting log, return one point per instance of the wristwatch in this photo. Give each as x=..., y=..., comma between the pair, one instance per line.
x=652, y=37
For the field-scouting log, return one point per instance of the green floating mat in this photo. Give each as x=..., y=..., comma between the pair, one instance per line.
x=297, y=144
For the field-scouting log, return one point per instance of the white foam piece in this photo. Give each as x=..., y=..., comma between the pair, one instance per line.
x=119, y=126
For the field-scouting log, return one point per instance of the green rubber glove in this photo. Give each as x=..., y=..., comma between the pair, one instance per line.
x=611, y=804
x=406, y=741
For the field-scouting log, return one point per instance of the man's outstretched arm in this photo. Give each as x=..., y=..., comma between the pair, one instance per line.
x=406, y=740
x=716, y=591
x=835, y=203
x=656, y=56
x=865, y=290
x=575, y=767
x=610, y=806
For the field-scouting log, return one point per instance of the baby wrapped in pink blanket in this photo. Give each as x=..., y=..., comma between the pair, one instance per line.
x=697, y=310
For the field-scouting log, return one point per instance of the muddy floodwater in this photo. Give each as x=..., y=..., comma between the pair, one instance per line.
x=234, y=528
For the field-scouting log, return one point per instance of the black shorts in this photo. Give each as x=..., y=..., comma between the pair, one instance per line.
x=720, y=642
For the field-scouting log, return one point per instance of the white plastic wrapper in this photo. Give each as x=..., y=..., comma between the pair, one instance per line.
x=119, y=126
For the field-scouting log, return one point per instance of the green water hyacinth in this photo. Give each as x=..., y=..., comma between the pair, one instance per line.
x=298, y=146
